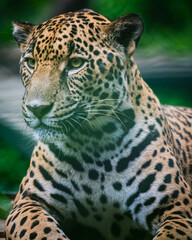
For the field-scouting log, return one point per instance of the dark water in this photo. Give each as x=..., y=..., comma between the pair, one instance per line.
x=173, y=90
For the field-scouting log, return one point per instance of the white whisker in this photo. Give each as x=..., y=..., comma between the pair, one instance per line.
x=90, y=123
x=74, y=119
x=70, y=123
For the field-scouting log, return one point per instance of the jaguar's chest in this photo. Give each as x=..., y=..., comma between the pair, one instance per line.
x=87, y=194
x=102, y=190
x=95, y=199
x=94, y=194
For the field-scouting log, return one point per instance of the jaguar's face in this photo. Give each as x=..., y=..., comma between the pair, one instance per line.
x=73, y=72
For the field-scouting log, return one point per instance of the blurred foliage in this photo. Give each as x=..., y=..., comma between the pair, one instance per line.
x=21, y=10
x=13, y=166
x=5, y=206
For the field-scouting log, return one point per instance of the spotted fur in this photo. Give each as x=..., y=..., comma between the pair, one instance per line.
x=108, y=156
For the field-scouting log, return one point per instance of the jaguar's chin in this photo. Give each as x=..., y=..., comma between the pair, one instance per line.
x=48, y=134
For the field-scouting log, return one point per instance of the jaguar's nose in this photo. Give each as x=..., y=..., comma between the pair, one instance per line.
x=40, y=110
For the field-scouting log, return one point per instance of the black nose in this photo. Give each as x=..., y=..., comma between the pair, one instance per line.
x=40, y=110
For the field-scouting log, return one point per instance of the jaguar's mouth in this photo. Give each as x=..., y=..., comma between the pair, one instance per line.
x=55, y=129
x=66, y=126
x=67, y=121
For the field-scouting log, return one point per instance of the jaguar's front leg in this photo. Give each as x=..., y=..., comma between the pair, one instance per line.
x=28, y=220
x=176, y=217
x=175, y=227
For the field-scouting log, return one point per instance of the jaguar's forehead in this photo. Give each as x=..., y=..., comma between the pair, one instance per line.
x=84, y=17
x=61, y=32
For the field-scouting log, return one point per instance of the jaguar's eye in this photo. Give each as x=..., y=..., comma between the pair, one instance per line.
x=75, y=62
x=30, y=63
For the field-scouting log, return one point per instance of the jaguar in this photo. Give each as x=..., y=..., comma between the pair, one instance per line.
x=110, y=161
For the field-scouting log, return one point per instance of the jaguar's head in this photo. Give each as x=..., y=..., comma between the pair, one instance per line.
x=73, y=67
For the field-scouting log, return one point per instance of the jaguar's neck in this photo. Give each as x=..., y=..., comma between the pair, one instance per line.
x=146, y=105
x=141, y=96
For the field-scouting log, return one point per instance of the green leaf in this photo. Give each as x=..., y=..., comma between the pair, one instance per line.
x=5, y=206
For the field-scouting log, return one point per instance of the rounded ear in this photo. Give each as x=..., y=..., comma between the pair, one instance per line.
x=126, y=30
x=21, y=32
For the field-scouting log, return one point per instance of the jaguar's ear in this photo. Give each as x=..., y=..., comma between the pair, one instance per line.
x=126, y=30
x=21, y=33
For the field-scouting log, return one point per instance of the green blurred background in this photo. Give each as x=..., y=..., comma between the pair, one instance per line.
x=168, y=23
x=167, y=42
